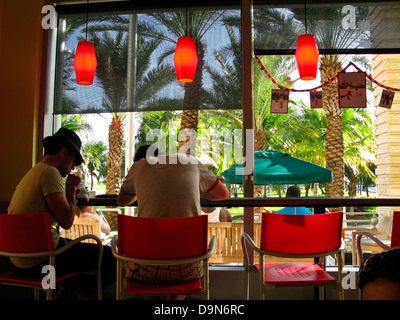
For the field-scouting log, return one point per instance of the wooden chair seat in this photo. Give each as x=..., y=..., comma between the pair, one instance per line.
x=382, y=233
x=82, y=227
x=368, y=241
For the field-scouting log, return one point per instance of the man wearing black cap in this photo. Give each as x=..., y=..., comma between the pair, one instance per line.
x=42, y=190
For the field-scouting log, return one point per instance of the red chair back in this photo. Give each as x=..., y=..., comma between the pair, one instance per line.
x=25, y=233
x=395, y=239
x=301, y=234
x=162, y=238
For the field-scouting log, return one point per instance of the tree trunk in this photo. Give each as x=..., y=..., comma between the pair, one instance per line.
x=307, y=187
x=114, y=158
x=191, y=103
x=330, y=66
x=352, y=187
x=334, y=156
x=259, y=143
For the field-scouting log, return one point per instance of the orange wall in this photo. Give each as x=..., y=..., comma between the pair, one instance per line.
x=20, y=66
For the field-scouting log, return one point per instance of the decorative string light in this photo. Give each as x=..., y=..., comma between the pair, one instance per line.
x=387, y=90
x=351, y=64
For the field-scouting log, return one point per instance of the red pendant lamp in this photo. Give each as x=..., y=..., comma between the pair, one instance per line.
x=185, y=59
x=307, y=56
x=85, y=63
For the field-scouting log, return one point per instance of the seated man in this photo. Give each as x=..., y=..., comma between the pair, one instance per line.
x=168, y=186
x=42, y=190
x=294, y=192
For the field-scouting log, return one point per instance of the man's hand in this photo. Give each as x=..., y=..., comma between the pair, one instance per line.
x=72, y=182
x=63, y=205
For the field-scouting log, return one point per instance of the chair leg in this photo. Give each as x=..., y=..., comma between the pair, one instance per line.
x=36, y=293
x=247, y=283
x=206, y=279
x=262, y=278
x=99, y=287
x=321, y=293
x=49, y=294
x=118, y=283
x=354, y=251
x=340, y=264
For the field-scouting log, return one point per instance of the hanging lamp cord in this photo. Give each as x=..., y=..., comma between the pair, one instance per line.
x=186, y=25
x=305, y=14
x=87, y=16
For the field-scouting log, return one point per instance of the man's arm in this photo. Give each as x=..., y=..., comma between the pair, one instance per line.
x=61, y=210
x=217, y=192
x=124, y=199
x=63, y=206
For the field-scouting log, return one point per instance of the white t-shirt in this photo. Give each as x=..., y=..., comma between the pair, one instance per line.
x=169, y=188
x=213, y=216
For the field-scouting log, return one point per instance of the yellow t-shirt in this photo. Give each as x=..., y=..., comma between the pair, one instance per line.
x=30, y=197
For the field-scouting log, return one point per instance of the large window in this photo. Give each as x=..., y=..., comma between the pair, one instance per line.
x=135, y=69
x=338, y=26
x=136, y=76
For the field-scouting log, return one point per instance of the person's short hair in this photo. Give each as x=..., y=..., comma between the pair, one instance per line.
x=384, y=265
x=293, y=191
x=144, y=150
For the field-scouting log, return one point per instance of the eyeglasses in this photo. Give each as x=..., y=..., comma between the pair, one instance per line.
x=378, y=258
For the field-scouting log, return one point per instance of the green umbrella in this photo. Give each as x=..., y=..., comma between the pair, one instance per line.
x=274, y=167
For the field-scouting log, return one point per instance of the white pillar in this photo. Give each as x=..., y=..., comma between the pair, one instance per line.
x=385, y=28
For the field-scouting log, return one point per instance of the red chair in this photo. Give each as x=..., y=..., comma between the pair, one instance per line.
x=394, y=239
x=296, y=236
x=162, y=241
x=29, y=236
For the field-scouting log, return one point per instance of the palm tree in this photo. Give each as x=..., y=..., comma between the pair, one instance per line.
x=75, y=123
x=265, y=123
x=304, y=136
x=112, y=70
x=109, y=35
x=111, y=73
x=326, y=26
x=330, y=34
x=95, y=158
x=177, y=24
x=359, y=153
x=306, y=133
x=158, y=120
